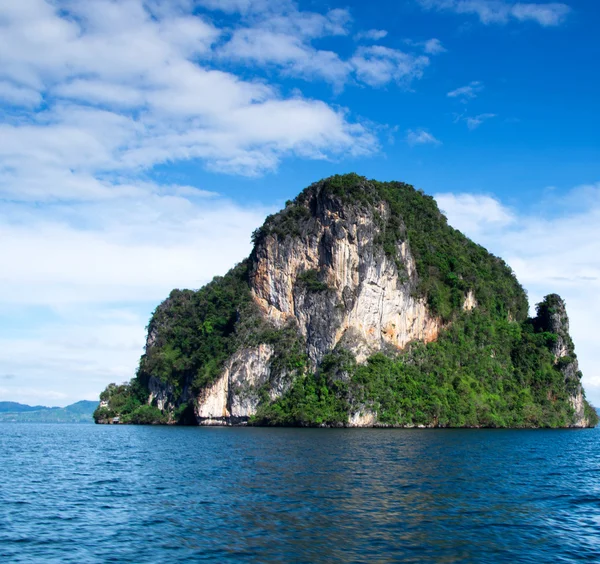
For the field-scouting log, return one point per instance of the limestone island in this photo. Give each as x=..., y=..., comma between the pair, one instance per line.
x=359, y=306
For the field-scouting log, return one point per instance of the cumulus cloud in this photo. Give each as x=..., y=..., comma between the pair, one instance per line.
x=474, y=213
x=548, y=253
x=421, y=137
x=292, y=53
x=503, y=11
x=126, y=87
x=377, y=65
x=285, y=41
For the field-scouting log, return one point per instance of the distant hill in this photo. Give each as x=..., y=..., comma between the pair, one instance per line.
x=79, y=412
x=14, y=407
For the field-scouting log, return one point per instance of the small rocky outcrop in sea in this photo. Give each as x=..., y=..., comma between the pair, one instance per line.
x=552, y=318
x=359, y=306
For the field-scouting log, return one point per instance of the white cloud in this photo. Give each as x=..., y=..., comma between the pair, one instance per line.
x=371, y=34
x=284, y=40
x=307, y=24
x=430, y=46
x=474, y=213
x=421, y=137
x=290, y=52
x=549, y=254
x=126, y=88
x=502, y=11
x=473, y=122
x=130, y=249
x=433, y=47
x=377, y=65
x=19, y=95
x=95, y=271
x=465, y=93
x=544, y=14
x=74, y=357
x=279, y=34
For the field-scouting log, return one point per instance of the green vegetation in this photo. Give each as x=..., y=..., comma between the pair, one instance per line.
x=313, y=400
x=479, y=373
x=310, y=280
x=490, y=367
x=195, y=332
x=128, y=403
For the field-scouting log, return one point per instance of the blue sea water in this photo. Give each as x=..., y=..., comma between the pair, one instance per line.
x=85, y=493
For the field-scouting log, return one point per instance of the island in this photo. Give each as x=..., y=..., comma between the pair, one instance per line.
x=359, y=306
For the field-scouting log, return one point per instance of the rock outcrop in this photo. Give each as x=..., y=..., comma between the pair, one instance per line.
x=235, y=396
x=552, y=317
x=359, y=306
x=335, y=285
x=366, y=300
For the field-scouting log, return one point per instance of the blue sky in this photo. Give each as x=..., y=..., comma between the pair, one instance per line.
x=142, y=142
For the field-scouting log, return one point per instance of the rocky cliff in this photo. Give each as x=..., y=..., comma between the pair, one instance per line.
x=552, y=318
x=364, y=299
x=360, y=306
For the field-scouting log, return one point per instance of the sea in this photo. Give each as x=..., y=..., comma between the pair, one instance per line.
x=87, y=493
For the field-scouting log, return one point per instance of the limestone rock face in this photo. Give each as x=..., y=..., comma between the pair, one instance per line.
x=365, y=299
x=234, y=397
x=552, y=317
x=160, y=393
x=333, y=281
x=470, y=301
x=362, y=419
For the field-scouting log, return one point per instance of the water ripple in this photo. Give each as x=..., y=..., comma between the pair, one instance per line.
x=73, y=493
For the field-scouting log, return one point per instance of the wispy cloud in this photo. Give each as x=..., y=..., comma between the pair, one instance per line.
x=466, y=93
x=421, y=137
x=473, y=122
x=22, y=96
x=371, y=34
x=503, y=11
x=430, y=46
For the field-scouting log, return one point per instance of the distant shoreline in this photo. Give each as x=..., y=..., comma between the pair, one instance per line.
x=78, y=412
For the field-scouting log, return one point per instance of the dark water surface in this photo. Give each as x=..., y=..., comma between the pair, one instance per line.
x=79, y=493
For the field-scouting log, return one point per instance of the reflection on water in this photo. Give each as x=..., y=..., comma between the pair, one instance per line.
x=153, y=494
